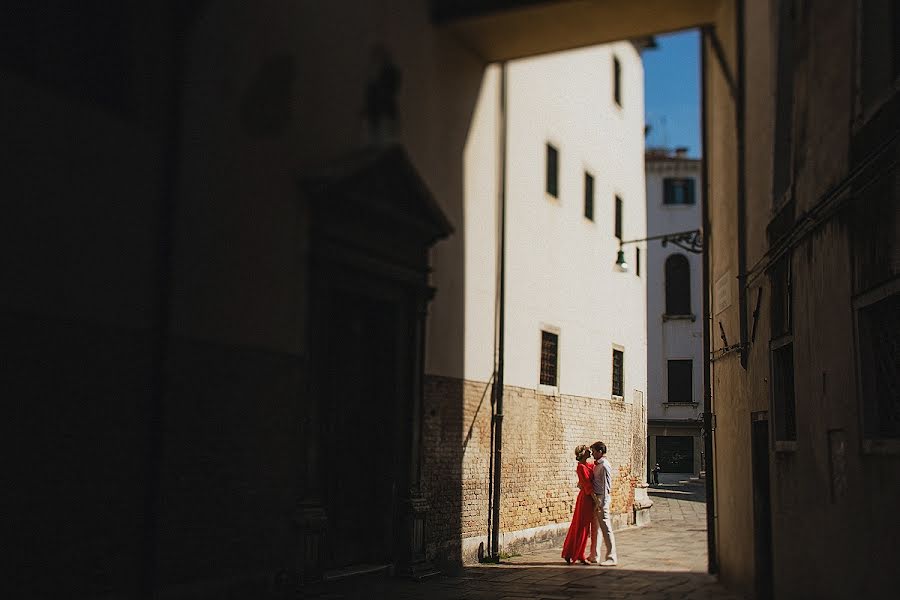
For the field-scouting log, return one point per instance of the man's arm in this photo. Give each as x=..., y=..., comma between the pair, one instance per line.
x=594, y=495
x=607, y=482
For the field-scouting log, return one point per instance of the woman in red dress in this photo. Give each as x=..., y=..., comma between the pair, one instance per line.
x=580, y=528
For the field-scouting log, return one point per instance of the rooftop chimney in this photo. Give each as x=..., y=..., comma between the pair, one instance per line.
x=681, y=152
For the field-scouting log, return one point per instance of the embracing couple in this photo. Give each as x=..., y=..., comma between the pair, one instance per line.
x=591, y=508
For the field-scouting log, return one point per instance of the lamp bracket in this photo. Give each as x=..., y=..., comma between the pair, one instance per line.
x=689, y=241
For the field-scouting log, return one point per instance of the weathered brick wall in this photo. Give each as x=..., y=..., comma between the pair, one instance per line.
x=538, y=473
x=456, y=441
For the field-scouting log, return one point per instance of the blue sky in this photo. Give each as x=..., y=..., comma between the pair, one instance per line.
x=672, y=91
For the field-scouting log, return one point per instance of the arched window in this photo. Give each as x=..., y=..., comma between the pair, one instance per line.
x=678, y=285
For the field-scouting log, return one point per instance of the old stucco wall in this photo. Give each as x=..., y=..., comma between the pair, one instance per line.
x=825, y=498
x=560, y=275
x=539, y=485
x=730, y=402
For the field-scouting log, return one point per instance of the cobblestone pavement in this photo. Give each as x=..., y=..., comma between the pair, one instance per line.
x=664, y=560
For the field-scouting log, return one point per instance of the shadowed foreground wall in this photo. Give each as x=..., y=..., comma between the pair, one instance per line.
x=818, y=228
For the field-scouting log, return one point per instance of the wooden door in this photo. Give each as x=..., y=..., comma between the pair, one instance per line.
x=360, y=401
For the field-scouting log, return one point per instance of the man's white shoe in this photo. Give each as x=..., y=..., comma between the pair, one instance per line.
x=609, y=563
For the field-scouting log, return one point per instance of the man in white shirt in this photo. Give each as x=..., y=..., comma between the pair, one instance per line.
x=602, y=480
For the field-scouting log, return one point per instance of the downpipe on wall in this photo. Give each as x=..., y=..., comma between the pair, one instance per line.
x=497, y=420
x=740, y=134
x=708, y=414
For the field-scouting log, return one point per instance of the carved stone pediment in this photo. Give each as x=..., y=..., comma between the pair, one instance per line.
x=372, y=220
x=378, y=186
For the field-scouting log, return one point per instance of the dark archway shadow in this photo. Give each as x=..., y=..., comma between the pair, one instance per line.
x=454, y=409
x=531, y=580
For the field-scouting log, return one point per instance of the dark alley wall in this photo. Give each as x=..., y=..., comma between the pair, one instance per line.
x=818, y=228
x=85, y=172
x=156, y=281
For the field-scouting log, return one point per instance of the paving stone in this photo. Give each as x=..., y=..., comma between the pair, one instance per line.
x=665, y=560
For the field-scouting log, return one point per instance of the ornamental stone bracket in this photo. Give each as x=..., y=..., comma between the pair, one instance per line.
x=311, y=522
x=642, y=504
x=416, y=511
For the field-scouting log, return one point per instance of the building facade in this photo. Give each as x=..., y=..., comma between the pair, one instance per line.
x=575, y=341
x=804, y=296
x=217, y=278
x=674, y=314
x=179, y=175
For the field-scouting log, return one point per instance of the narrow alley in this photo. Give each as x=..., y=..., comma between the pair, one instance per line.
x=664, y=560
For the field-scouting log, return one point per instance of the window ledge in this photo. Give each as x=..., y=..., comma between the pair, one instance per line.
x=691, y=404
x=785, y=446
x=668, y=317
x=548, y=390
x=615, y=398
x=883, y=447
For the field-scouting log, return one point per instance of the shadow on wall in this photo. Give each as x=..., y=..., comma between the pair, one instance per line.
x=454, y=410
x=156, y=343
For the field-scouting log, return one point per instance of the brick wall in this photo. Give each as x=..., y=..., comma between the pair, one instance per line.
x=538, y=473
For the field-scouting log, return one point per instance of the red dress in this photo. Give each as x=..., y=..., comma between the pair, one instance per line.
x=580, y=528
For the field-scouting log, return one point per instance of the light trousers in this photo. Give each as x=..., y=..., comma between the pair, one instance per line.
x=602, y=520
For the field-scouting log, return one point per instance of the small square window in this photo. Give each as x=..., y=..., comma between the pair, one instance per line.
x=552, y=171
x=783, y=407
x=782, y=149
x=680, y=380
x=549, y=358
x=678, y=285
x=782, y=297
x=589, y=196
x=618, y=219
x=618, y=373
x=617, y=81
x=678, y=190
x=879, y=50
x=878, y=327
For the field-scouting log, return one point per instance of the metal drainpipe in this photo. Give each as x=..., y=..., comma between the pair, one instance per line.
x=740, y=113
x=708, y=446
x=498, y=382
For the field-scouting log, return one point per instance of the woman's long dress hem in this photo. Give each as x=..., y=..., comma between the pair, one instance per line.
x=580, y=528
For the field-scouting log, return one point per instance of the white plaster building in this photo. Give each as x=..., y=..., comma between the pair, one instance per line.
x=674, y=315
x=575, y=330
x=561, y=263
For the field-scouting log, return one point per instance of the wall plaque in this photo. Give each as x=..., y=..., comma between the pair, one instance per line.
x=722, y=292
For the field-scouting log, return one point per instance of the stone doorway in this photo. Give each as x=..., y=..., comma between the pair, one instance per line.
x=360, y=431
x=675, y=453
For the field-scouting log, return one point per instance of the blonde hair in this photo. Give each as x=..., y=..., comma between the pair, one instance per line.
x=582, y=452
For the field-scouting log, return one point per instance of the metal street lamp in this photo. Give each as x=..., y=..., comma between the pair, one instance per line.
x=689, y=241
x=620, y=260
